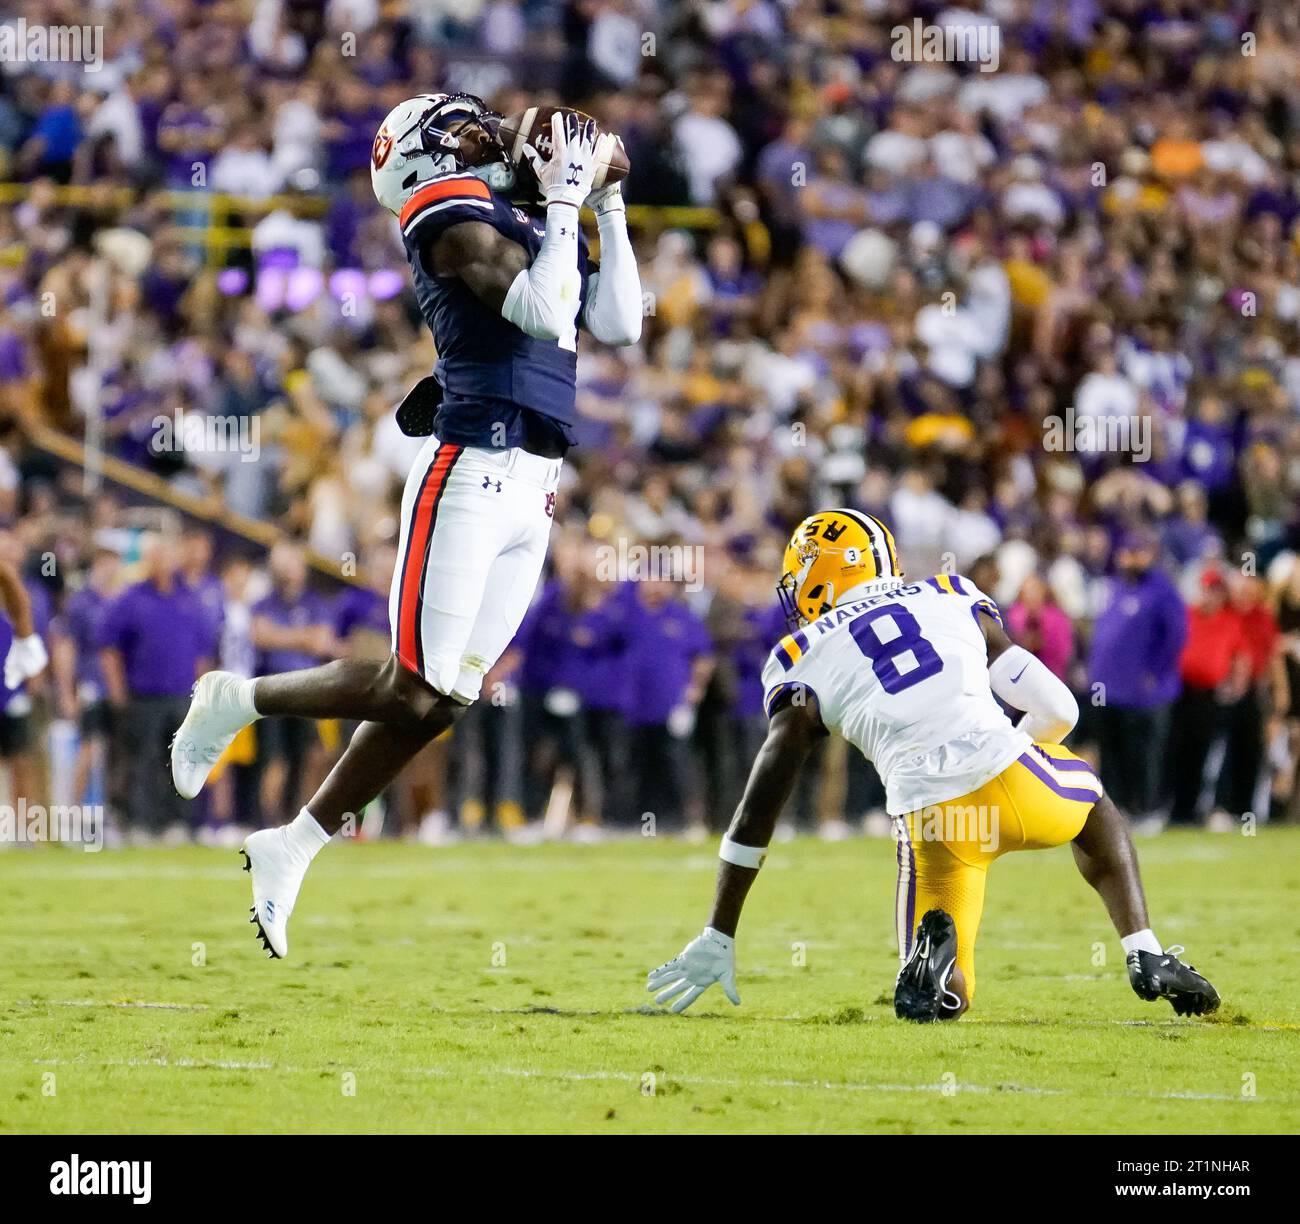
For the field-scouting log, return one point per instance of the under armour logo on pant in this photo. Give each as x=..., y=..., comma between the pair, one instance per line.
x=488, y=482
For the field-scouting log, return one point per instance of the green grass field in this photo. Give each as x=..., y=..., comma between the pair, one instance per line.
x=494, y=988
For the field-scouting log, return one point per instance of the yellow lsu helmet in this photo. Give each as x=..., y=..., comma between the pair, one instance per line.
x=829, y=555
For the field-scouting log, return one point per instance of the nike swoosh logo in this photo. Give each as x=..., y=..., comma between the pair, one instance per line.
x=1020, y=673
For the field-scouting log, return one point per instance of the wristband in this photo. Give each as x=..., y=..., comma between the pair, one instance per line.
x=742, y=856
x=607, y=202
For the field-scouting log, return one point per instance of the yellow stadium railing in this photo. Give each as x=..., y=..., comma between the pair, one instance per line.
x=146, y=484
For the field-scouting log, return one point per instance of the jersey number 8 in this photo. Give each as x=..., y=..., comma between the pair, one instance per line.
x=883, y=655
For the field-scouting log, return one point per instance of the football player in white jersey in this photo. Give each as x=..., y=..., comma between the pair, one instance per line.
x=908, y=674
x=503, y=285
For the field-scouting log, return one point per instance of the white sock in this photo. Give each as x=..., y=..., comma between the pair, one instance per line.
x=305, y=836
x=244, y=697
x=1140, y=941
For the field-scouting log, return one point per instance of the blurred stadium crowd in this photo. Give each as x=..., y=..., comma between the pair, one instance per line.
x=905, y=286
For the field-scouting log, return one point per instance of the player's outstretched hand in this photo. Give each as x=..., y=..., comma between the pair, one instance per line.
x=708, y=958
x=565, y=177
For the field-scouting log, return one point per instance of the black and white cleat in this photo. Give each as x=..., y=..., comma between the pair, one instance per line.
x=921, y=992
x=1163, y=976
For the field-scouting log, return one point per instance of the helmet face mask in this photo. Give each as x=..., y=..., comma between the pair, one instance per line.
x=444, y=130
x=829, y=555
x=436, y=134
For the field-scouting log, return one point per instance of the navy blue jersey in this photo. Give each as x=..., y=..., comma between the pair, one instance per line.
x=492, y=374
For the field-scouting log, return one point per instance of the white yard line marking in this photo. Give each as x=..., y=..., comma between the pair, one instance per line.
x=388, y=872
x=192, y=1064
x=109, y=1003
x=635, y=1078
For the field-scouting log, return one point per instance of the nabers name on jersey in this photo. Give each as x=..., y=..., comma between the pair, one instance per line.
x=903, y=676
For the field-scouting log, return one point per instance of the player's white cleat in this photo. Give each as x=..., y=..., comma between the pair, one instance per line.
x=277, y=869
x=218, y=712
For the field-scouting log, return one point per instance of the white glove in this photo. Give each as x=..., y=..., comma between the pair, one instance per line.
x=708, y=958
x=565, y=177
x=26, y=658
x=606, y=199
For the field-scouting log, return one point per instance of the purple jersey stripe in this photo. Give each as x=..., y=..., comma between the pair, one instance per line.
x=911, y=889
x=1066, y=792
x=987, y=605
x=898, y=894
x=1067, y=766
x=934, y=582
x=906, y=864
x=787, y=686
x=956, y=585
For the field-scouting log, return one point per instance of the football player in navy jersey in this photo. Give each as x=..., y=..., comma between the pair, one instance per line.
x=503, y=283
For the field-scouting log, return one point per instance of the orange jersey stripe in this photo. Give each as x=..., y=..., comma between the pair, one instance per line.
x=417, y=544
x=473, y=188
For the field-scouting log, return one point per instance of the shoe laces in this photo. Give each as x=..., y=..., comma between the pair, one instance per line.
x=945, y=994
x=1175, y=952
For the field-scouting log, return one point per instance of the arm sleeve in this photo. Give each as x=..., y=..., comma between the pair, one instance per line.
x=613, y=313
x=543, y=299
x=1025, y=683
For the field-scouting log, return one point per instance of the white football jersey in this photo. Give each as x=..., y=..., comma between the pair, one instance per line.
x=903, y=676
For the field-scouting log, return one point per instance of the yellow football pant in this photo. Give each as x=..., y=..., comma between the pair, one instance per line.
x=1040, y=800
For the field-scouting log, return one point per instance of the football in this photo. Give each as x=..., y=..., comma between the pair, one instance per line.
x=532, y=128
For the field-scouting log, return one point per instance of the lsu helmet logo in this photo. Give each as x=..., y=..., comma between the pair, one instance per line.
x=830, y=554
